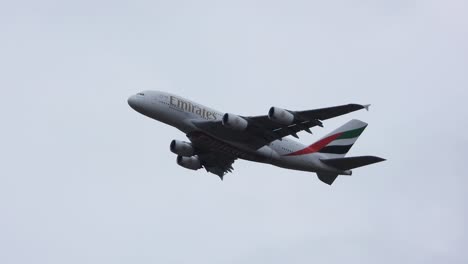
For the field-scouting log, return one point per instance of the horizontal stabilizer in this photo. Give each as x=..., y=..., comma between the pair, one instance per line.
x=351, y=162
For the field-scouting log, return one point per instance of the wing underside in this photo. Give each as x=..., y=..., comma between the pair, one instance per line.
x=217, y=165
x=216, y=156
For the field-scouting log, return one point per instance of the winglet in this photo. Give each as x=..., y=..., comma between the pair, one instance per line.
x=367, y=107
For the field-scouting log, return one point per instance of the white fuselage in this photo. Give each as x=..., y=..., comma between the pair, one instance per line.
x=181, y=113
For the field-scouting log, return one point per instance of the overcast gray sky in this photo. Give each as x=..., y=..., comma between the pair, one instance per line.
x=85, y=179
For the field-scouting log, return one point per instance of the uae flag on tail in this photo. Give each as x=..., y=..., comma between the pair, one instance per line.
x=338, y=142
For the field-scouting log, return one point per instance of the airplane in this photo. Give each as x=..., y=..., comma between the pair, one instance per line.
x=217, y=139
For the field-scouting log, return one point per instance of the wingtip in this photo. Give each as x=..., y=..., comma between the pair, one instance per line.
x=366, y=106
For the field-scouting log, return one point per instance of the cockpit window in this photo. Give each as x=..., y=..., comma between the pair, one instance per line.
x=142, y=94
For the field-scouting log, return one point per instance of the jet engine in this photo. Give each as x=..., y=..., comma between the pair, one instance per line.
x=182, y=148
x=280, y=116
x=191, y=163
x=234, y=122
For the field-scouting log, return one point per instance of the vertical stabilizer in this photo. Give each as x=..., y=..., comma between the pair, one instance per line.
x=339, y=142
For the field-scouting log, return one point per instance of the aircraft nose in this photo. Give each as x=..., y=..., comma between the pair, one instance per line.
x=132, y=101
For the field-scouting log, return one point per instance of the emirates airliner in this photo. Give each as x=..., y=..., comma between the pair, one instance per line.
x=217, y=139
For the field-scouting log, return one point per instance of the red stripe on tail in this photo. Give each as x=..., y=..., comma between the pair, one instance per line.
x=316, y=146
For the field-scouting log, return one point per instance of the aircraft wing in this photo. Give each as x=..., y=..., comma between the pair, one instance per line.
x=305, y=119
x=215, y=156
x=261, y=130
x=216, y=163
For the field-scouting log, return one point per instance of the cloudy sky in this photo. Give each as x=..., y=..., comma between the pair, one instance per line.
x=85, y=179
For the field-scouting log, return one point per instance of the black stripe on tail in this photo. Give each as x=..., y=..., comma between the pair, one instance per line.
x=336, y=149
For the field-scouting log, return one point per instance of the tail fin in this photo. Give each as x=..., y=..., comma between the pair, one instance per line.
x=339, y=142
x=334, y=147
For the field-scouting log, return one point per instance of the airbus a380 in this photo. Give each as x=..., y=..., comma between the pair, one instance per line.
x=217, y=139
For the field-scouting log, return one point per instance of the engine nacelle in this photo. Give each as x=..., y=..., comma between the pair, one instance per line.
x=182, y=148
x=234, y=122
x=191, y=163
x=280, y=116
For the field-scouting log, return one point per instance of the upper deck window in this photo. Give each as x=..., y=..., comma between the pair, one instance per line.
x=142, y=94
